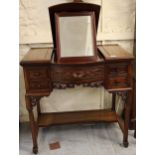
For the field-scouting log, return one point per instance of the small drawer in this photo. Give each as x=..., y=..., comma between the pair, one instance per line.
x=39, y=85
x=35, y=74
x=118, y=82
x=118, y=69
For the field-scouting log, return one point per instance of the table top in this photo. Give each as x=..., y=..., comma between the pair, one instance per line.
x=38, y=55
x=114, y=52
x=44, y=55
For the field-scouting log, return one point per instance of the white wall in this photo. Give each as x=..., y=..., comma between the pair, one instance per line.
x=116, y=26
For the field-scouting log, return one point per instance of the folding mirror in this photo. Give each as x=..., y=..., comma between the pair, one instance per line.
x=75, y=37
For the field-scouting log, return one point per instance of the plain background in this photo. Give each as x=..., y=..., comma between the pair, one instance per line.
x=9, y=77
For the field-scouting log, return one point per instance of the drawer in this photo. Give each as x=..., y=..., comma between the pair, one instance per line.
x=39, y=85
x=35, y=74
x=118, y=69
x=120, y=82
x=118, y=75
x=78, y=74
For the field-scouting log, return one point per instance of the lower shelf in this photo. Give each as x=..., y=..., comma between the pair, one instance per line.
x=47, y=119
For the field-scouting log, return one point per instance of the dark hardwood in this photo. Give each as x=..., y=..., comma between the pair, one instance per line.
x=112, y=69
x=120, y=122
x=38, y=56
x=115, y=52
x=47, y=119
x=33, y=124
x=132, y=123
x=79, y=59
x=42, y=74
x=72, y=7
x=76, y=1
x=113, y=101
x=118, y=69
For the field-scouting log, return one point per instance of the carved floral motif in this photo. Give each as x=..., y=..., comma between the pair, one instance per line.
x=34, y=100
x=72, y=85
x=123, y=95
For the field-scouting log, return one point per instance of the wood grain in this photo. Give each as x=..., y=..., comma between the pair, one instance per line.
x=47, y=119
x=42, y=75
x=39, y=80
x=120, y=123
x=114, y=52
x=37, y=55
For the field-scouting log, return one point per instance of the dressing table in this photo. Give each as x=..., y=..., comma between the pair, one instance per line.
x=45, y=69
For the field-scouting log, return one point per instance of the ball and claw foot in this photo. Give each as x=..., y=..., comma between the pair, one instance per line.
x=125, y=144
x=35, y=150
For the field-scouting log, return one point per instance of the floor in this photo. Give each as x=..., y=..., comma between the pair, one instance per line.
x=92, y=139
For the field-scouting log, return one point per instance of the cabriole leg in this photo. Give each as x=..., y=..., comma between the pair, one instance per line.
x=126, y=97
x=33, y=125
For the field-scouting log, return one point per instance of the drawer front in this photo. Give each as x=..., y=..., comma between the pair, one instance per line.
x=118, y=70
x=35, y=74
x=37, y=79
x=120, y=82
x=118, y=75
x=39, y=85
x=78, y=74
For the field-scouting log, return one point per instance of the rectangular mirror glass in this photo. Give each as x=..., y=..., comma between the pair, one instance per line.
x=75, y=36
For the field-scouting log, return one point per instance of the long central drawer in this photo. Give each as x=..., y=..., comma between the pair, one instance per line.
x=77, y=74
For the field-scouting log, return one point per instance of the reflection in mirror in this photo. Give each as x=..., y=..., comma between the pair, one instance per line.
x=76, y=37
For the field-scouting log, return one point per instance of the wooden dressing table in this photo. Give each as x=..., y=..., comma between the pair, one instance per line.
x=112, y=69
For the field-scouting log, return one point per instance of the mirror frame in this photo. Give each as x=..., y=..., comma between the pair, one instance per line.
x=79, y=59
